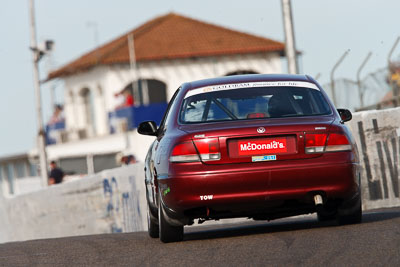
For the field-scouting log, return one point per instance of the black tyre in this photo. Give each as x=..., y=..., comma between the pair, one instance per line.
x=353, y=217
x=325, y=218
x=152, y=226
x=168, y=233
x=327, y=212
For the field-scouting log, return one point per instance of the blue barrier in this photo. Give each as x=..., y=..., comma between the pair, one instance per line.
x=135, y=115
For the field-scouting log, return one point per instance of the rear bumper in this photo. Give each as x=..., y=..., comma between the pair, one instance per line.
x=253, y=189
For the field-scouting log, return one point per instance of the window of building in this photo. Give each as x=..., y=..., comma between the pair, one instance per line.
x=10, y=177
x=148, y=91
x=32, y=169
x=103, y=162
x=240, y=72
x=76, y=165
x=157, y=91
x=20, y=169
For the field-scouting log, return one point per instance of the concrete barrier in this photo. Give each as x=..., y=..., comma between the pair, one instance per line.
x=114, y=200
x=111, y=201
x=377, y=135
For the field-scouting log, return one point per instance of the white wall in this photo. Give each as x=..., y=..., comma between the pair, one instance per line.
x=136, y=145
x=4, y=222
x=27, y=184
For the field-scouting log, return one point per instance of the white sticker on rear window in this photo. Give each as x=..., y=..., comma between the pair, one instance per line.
x=233, y=86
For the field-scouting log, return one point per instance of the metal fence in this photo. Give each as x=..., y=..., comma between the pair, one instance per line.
x=374, y=87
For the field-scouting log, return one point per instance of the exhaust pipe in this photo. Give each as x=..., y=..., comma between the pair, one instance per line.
x=318, y=200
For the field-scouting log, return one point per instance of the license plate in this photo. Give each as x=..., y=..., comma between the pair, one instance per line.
x=263, y=158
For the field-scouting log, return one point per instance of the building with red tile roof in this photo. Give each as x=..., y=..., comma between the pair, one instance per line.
x=169, y=50
x=170, y=37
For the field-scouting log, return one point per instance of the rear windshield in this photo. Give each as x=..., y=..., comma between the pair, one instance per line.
x=253, y=103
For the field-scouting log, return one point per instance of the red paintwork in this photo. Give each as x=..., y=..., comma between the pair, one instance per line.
x=259, y=184
x=238, y=186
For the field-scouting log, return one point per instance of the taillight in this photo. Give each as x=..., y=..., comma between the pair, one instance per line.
x=319, y=143
x=337, y=142
x=184, y=152
x=208, y=149
x=315, y=143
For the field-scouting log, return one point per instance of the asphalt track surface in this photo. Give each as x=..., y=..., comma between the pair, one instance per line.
x=288, y=242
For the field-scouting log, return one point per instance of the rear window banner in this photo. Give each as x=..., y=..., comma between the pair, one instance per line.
x=233, y=86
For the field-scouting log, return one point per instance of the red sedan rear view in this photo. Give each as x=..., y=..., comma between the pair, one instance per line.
x=256, y=146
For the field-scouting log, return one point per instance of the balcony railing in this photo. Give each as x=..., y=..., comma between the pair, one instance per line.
x=120, y=120
x=129, y=118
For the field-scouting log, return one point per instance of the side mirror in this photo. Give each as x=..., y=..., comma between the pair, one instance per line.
x=345, y=114
x=147, y=128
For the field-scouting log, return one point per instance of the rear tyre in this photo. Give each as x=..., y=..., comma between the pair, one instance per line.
x=152, y=226
x=167, y=232
x=325, y=218
x=327, y=212
x=353, y=217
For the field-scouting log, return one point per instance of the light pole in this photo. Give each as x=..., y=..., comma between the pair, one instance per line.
x=290, y=45
x=36, y=56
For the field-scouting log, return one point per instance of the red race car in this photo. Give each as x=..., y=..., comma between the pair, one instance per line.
x=256, y=146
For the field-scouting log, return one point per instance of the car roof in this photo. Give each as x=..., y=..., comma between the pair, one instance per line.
x=247, y=78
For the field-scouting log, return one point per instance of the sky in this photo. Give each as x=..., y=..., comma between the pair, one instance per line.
x=324, y=30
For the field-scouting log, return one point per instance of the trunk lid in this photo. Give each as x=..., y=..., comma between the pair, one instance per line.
x=260, y=140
